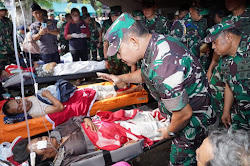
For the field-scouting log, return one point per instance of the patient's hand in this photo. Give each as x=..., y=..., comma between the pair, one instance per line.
x=122, y=85
x=130, y=142
x=45, y=93
x=88, y=123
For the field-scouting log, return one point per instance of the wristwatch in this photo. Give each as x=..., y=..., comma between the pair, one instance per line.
x=171, y=134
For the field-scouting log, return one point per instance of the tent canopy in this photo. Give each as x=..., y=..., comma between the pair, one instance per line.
x=66, y=8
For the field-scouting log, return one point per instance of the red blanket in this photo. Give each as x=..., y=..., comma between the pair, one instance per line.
x=79, y=104
x=111, y=135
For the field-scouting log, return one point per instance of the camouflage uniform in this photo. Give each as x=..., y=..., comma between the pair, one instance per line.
x=59, y=24
x=189, y=32
x=63, y=43
x=6, y=40
x=242, y=23
x=95, y=28
x=158, y=72
x=158, y=24
x=116, y=65
x=236, y=72
x=175, y=78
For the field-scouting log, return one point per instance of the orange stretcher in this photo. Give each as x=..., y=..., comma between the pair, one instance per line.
x=8, y=132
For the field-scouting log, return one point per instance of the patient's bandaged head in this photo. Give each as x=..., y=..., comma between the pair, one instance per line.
x=45, y=70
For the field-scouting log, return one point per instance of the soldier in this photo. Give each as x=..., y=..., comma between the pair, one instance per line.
x=84, y=10
x=175, y=79
x=6, y=36
x=113, y=64
x=240, y=15
x=61, y=21
x=234, y=71
x=153, y=21
x=63, y=43
x=191, y=30
x=95, y=41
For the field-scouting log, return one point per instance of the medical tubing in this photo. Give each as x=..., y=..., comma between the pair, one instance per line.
x=20, y=73
x=33, y=73
x=12, y=8
x=24, y=24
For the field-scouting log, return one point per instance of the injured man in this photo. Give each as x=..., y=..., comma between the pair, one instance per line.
x=82, y=135
x=62, y=101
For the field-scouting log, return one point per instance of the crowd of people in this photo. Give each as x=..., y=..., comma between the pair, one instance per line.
x=199, y=75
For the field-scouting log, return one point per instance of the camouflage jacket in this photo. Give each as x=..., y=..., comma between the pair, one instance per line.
x=242, y=21
x=6, y=36
x=106, y=24
x=158, y=24
x=94, y=28
x=174, y=77
x=190, y=32
x=62, y=39
x=60, y=24
x=236, y=72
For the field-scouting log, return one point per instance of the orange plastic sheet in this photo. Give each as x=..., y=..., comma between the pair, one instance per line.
x=8, y=132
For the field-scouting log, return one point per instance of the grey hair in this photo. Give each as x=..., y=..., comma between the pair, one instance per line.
x=137, y=29
x=230, y=148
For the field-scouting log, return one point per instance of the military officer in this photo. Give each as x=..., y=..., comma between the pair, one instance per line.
x=241, y=16
x=152, y=20
x=191, y=29
x=6, y=36
x=63, y=43
x=95, y=41
x=234, y=70
x=174, y=78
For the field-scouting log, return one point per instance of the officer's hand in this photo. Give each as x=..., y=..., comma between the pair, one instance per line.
x=109, y=77
x=209, y=75
x=164, y=132
x=88, y=123
x=226, y=119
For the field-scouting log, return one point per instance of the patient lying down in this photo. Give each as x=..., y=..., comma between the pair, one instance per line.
x=80, y=135
x=80, y=101
x=54, y=69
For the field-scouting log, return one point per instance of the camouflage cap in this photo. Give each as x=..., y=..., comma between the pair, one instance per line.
x=2, y=6
x=116, y=32
x=200, y=8
x=216, y=30
x=137, y=13
x=202, y=11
